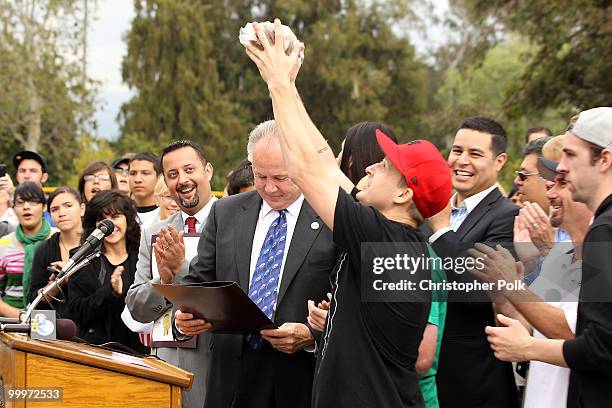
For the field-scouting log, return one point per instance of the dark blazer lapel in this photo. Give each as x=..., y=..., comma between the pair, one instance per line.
x=301, y=241
x=244, y=231
x=477, y=213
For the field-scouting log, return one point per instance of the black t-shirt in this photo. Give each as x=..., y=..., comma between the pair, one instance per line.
x=368, y=351
x=589, y=355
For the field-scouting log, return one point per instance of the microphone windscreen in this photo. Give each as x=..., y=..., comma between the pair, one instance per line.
x=65, y=329
x=107, y=227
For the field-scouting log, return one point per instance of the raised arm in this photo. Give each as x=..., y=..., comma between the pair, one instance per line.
x=301, y=142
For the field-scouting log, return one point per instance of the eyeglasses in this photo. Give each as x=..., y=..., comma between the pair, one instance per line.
x=168, y=199
x=523, y=176
x=29, y=203
x=123, y=172
x=99, y=177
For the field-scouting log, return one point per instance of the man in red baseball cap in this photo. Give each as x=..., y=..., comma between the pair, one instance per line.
x=375, y=324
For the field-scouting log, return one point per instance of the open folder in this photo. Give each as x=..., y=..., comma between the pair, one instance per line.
x=224, y=304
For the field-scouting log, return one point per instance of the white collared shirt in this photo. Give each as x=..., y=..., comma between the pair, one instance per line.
x=547, y=384
x=469, y=203
x=200, y=216
x=266, y=217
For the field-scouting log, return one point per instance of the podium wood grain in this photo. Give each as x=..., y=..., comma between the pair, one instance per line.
x=88, y=376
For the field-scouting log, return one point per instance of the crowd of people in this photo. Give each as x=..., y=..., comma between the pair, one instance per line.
x=294, y=230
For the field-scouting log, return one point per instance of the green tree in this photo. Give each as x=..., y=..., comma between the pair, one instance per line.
x=179, y=93
x=45, y=99
x=90, y=149
x=482, y=89
x=357, y=65
x=194, y=80
x=572, y=38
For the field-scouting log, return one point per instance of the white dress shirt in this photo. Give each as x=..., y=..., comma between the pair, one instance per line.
x=469, y=203
x=547, y=384
x=266, y=217
x=200, y=216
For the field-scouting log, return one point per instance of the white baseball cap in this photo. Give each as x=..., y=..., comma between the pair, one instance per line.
x=595, y=126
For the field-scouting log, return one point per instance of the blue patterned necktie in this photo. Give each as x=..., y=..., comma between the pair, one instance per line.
x=264, y=284
x=458, y=215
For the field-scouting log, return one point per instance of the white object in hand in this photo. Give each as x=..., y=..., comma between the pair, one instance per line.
x=247, y=35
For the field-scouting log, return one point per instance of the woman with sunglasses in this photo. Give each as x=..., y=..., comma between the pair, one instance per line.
x=66, y=209
x=98, y=176
x=17, y=249
x=97, y=293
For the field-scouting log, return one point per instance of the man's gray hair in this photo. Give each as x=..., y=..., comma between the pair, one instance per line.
x=264, y=131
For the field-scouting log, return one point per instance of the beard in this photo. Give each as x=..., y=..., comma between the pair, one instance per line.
x=188, y=203
x=557, y=218
x=193, y=202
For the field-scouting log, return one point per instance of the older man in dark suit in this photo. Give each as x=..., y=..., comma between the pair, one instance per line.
x=274, y=370
x=469, y=375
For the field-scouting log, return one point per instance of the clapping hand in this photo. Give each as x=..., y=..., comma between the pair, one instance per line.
x=116, y=281
x=169, y=250
x=538, y=224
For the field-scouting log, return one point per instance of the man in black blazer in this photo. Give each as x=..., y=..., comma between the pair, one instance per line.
x=469, y=375
x=274, y=371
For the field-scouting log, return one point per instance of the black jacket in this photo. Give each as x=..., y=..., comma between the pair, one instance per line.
x=224, y=253
x=96, y=310
x=589, y=354
x=468, y=374
x=47, y=252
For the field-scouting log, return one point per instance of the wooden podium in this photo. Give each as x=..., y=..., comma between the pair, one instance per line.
x=88, y=376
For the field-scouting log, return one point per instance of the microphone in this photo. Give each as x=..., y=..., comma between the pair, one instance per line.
x=4, y=320
x=65, y=328
x=104, y=229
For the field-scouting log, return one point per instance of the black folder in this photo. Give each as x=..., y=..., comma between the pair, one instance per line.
x=224, y=304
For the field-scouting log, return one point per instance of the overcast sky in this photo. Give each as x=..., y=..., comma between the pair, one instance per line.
x=107, y=49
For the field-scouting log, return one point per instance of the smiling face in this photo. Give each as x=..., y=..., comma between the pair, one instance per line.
x=167, y=206
x=187, y=179
x=474, y=164
x=271, y=178
x=96, y=182
x=533, y=188
x=564, y=210
x=66, y=212
x=118, y=235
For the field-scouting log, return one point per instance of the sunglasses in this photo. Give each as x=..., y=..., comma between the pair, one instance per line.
x=523, y=176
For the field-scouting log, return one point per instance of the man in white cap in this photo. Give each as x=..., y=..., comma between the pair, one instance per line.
x=587, y=168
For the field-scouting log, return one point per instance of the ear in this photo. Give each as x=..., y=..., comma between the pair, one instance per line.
x=44, y=178
x=404, y=195
x=606, y=159
x=209, y=171
x=82, y=209
x=500, y=160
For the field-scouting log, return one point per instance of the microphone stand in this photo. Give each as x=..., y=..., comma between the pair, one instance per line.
x=25, y=317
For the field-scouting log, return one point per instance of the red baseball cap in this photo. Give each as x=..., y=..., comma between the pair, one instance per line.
x=426, y=172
